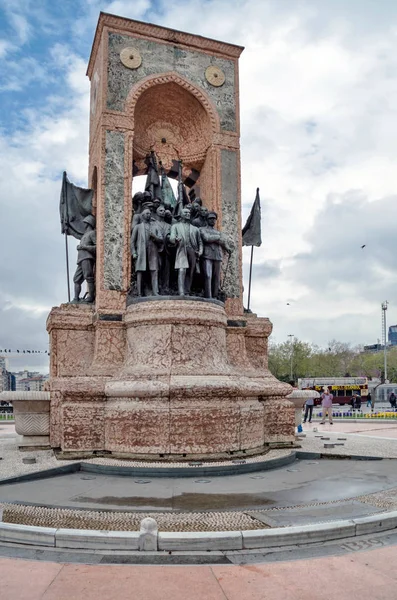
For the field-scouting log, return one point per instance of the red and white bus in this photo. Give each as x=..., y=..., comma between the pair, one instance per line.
x=342, y=388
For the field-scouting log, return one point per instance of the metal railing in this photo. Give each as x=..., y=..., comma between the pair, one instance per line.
x=6, y=416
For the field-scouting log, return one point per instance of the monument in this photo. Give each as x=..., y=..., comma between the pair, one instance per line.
x=160, y=360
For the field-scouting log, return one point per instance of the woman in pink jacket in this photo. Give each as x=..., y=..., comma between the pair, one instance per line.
x=326, y=403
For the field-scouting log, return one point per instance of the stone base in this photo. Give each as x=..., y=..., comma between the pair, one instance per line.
x=183, y=390
x=38, y=442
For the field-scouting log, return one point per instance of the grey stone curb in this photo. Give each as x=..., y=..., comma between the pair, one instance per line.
x=304, y=455
x=45, y=474
x=193, y=541
x=188, y=471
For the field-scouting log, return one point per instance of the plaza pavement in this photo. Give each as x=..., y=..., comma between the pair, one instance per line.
x=369, y=438
x=364, y=575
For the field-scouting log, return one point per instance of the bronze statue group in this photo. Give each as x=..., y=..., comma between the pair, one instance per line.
x=175, y=247
x=176, y=252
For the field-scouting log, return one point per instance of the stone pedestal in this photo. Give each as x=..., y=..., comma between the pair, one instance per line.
x=188, y=387
x=32, y=417
x=164, y=377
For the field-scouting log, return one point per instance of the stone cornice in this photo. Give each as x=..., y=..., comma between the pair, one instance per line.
x=163, y=34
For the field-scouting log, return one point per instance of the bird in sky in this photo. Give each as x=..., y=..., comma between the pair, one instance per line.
x=288, y=304
x=363, y=246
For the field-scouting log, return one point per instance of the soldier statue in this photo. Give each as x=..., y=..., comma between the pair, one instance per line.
x=86, y=256
x=201, y=218
x=139, y=201
x=146, y=238
x=189, y=244
x=213, y=241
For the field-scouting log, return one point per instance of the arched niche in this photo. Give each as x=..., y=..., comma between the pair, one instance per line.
x=176, y=120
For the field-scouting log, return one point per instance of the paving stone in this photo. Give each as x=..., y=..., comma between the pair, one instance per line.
x=22, y=534
x=222, y=540
x=96, y=540
x=288, y=536
x=305, y=515
x=379, y=522
x=374, y=444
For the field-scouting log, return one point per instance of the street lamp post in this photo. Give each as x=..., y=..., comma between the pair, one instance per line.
x=384, y=339
x=291, y=335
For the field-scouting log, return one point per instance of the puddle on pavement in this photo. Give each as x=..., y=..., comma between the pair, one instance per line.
x=183, y=501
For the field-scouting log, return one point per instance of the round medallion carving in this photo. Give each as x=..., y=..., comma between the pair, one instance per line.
x=131, y=58
x=215, y=76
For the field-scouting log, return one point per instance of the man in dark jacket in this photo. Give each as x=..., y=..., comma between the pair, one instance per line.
x=213, y=241
x=146, y=238
x=189, y=245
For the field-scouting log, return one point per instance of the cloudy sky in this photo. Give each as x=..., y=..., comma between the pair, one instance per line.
x=318, y=82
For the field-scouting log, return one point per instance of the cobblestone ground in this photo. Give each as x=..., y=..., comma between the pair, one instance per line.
x=119, y=521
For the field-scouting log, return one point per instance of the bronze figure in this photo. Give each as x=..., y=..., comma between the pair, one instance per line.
x=86, y=256
x=146, y=239
x=189, y=244
x=214, y=241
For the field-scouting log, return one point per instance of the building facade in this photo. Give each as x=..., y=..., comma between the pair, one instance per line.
x=392, y=335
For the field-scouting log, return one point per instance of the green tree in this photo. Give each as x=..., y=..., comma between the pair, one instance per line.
x=309, y=360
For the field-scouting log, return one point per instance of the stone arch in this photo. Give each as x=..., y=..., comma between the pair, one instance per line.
x=173, y=117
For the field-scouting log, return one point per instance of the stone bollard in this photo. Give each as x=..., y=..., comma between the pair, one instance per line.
x=148, y=535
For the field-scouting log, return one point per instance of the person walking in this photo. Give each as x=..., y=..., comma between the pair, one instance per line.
x=393, y=400
x=369, y=400
x=326, y=403
x=308, y=410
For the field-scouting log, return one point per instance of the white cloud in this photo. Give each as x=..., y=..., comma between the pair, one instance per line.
x=20, y=25
x=4, y=48
x=33, y=158
x=130, y=10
